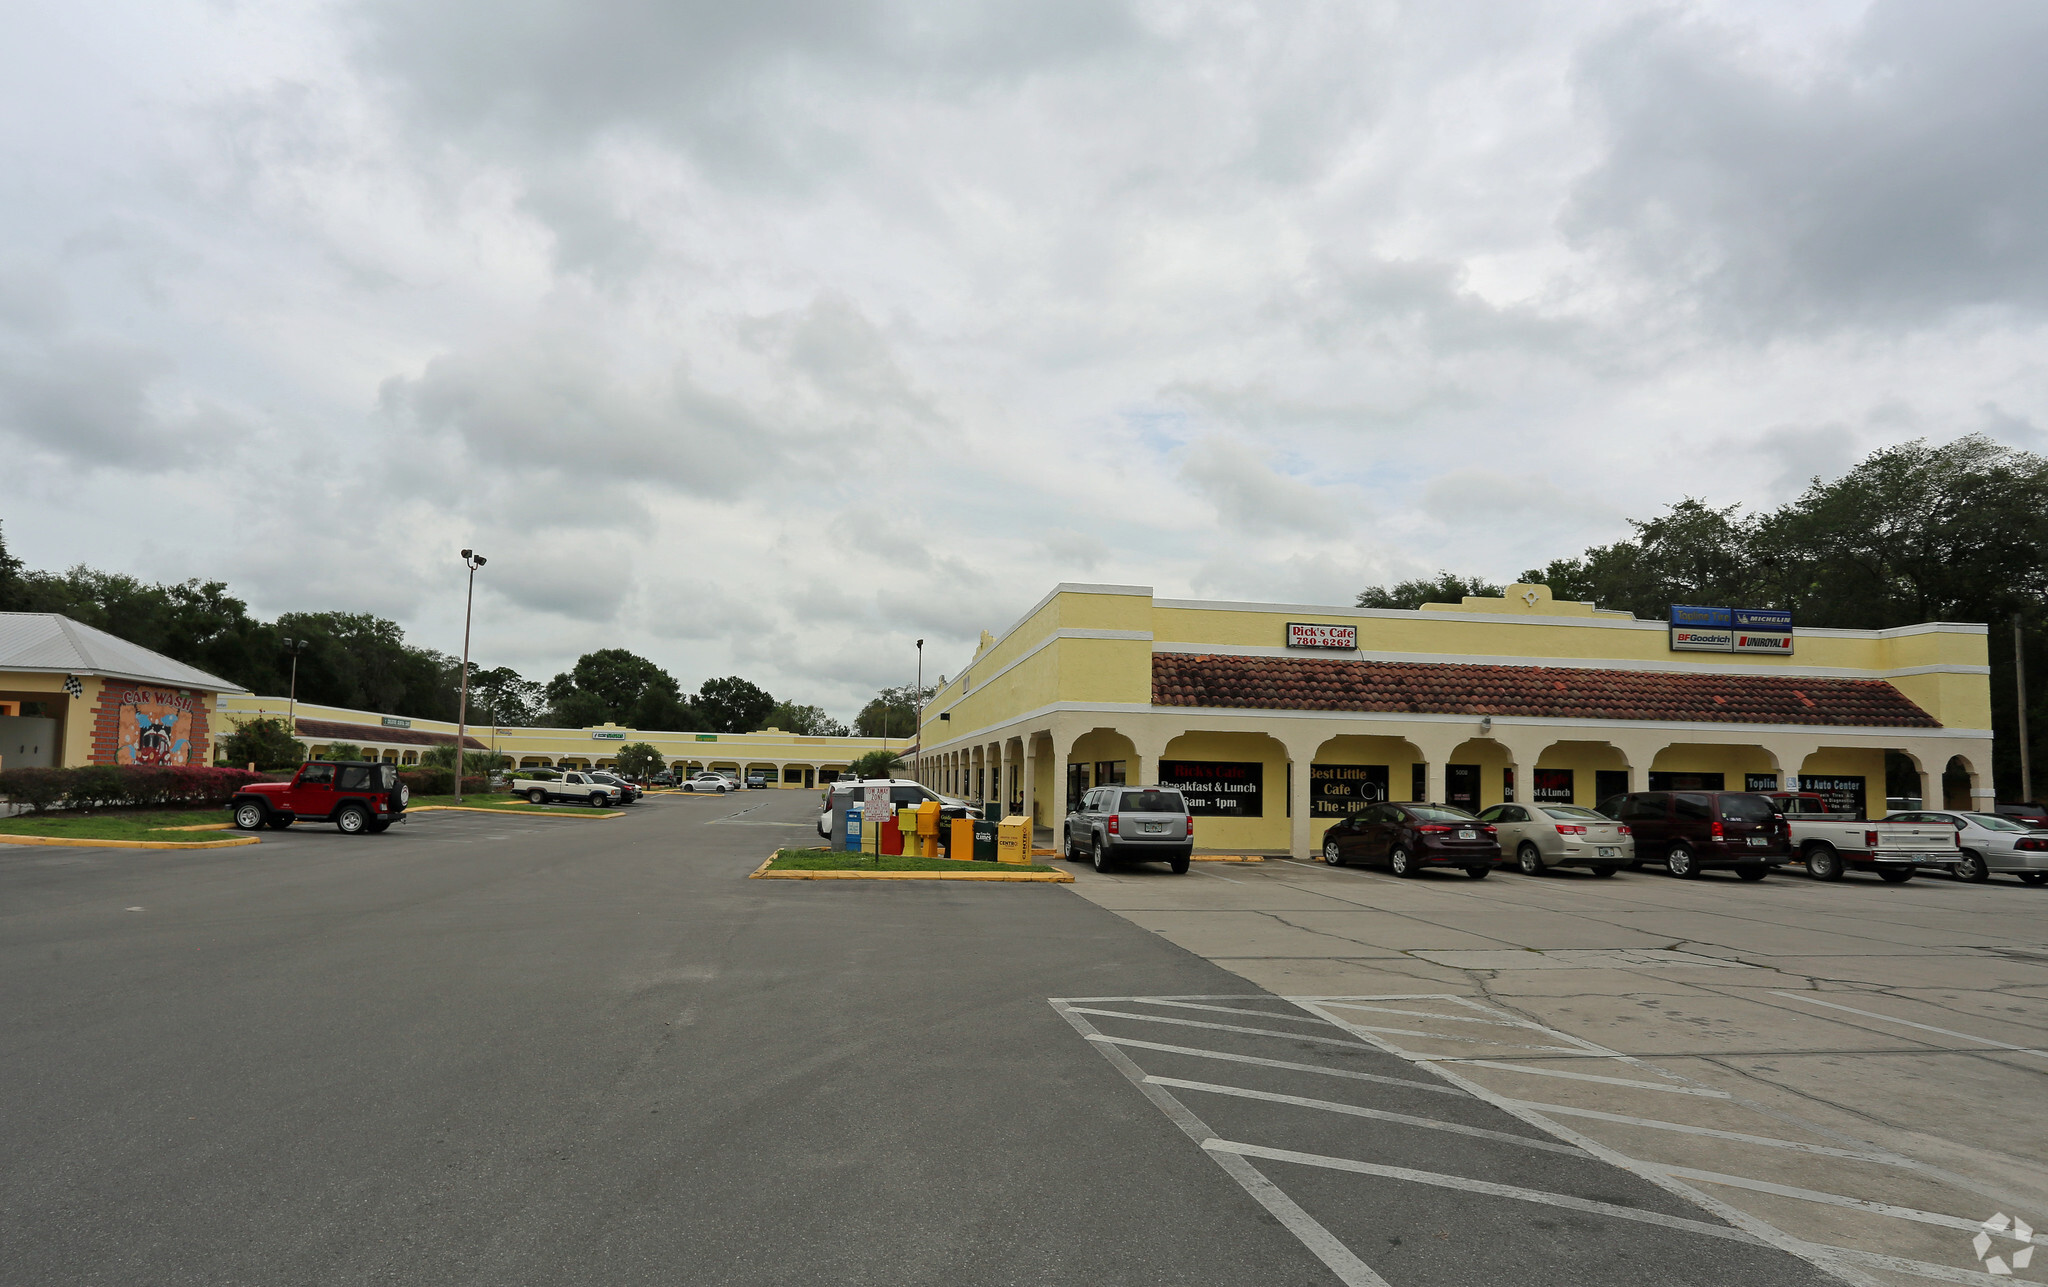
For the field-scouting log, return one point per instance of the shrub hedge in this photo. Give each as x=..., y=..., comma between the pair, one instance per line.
x=433, y=781
x=117, y=786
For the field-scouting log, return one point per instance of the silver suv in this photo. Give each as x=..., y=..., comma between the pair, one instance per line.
x=1132, y=824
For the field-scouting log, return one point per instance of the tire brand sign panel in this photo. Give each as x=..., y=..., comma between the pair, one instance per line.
x=1306, y=634
x=1340, y=790
x=1217, y=788
x=1751, y=630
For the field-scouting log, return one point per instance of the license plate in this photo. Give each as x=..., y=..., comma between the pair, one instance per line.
x=1468, y=835
x=1154, y=828
x=1758, y=842
x=1603, y=853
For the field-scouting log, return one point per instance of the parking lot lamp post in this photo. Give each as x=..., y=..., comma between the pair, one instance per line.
x=291, y=720
x=917, y=729
x=471, y=560
x=2019, y=670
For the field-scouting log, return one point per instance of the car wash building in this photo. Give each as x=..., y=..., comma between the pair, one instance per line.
x=1277, y=719
x=73, y=695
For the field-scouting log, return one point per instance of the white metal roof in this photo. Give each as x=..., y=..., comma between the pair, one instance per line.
x=45, y=641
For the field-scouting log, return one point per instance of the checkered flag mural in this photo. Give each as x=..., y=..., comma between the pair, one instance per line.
x=73, y=686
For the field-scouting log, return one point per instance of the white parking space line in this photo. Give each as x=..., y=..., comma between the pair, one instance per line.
x=1651, y=1123
x=1701, y=1091
x=1908, y=1023
x=1832, y=1199
x=1228, y=1057
x=1428, y=1014
x=1219, y=1027
x=1227, y=1009
x=1901, y=1265
x=1377, y=1114
x=1486, y=1187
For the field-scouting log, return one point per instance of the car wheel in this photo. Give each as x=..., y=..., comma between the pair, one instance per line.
x=1823, y=863
x=2033, y=877
x=1180, y=866
x=690, y=787
x=1895, y=875
x=1480, y=873
x=277, y=823
x=1332, y=854
x=1100, y=854
x=536, y=797
x=1399, y=859
x=1606, y=869
x=1753, y=870
x=1530, y=859
x=1682, y=863
x=249, y=816
x=352, y=820
x=1971, y=867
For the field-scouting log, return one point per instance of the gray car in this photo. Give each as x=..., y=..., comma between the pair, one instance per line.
x=1537, y=837
x=1113, y=824
x=1990, y=844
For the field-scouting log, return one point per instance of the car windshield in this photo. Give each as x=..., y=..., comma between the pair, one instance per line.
x=1152, y=802
x=1745, y=808
x=1572, y=813
x=1439, y=813
x=1992, y=822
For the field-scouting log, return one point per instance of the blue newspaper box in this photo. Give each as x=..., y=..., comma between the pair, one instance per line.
x=848, y=831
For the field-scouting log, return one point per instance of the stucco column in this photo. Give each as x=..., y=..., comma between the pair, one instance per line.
x=1063, y=737
x=1149, y=744
x=1030, y=772
x=1301, y=753
x=1003, y=777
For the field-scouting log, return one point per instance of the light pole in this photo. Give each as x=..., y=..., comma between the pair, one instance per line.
x=291, y=721
x=917, y=756
x=471, y=560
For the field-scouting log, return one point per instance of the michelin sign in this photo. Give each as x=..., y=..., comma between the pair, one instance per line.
x=1766, y=630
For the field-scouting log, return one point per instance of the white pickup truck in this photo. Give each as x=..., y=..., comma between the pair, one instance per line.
x=1831, y=843
x=543, y=786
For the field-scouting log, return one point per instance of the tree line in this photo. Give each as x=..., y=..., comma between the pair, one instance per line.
x=1912, y=533
x=364, y=662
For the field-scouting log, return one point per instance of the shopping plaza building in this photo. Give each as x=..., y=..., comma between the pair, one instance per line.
x=1276, y=719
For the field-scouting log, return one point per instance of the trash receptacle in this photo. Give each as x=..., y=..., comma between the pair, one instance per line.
x=984, y=840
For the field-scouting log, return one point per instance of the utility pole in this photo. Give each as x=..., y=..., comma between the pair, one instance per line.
x=917, y=759
x=471, y=560
x=2019, y=674
x=291, y=721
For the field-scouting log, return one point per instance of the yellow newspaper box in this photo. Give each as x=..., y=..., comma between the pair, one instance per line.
x=1013, y=839
x=928, y=829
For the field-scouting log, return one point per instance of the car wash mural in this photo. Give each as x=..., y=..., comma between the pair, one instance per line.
x=156, y=726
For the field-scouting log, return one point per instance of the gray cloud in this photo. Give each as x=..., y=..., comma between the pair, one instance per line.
x=89, y=401
x=1902, y=177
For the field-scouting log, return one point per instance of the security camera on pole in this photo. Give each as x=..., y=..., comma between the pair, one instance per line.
x=471, y=560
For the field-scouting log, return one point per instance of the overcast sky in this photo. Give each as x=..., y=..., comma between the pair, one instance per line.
x=764, y=338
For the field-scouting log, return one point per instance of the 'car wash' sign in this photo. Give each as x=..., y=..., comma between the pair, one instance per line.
x=1697, y=629
x=1217, y=788
x=1304, y=634
x=1340, y=790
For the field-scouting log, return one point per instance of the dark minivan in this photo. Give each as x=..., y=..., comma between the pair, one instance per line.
x=1409, y=837
x=1691, y=831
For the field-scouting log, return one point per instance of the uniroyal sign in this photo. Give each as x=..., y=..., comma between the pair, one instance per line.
x=1696, y=629
x=1302, y=634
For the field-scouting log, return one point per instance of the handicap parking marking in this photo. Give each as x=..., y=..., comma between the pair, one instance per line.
x=1302, y=1035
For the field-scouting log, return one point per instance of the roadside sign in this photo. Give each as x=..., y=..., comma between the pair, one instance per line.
x=1303, y=634
x=1696, y=629
x=875, y=797
x=1763, y=630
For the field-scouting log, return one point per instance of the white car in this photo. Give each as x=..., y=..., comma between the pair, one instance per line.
x=710, y=783
x=1990, y=844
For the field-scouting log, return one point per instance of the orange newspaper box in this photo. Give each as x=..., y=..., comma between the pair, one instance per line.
x=928, y=829
x=962, y=847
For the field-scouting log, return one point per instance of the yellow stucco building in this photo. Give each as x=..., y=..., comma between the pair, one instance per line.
x=787, y=759
x=1276, y=719
x=72, y=695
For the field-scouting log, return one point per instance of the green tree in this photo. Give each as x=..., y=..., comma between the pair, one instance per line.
x=876, y=764
x=639, y=760
x=502, y=697
x=805, y=721
x=1447, y=587
x=12, y=591
x=342, y=751
x=474, y=763
x=663, y=711
x=575, y=708
x=616, y=678
x=891, y=712
x=264, y=742
x=733, y=705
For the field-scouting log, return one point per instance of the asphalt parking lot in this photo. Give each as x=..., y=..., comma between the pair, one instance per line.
x=1854, y=1071
x=509, y=1049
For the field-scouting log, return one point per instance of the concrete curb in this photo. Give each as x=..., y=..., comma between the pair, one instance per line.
x=513, y=813
x=75, y=842
x=1014, y=877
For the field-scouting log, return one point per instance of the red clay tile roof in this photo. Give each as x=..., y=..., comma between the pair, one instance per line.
x=331, y=730
x=1551, y=692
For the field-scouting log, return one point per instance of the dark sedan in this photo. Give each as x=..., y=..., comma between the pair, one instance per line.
x=1410, y=837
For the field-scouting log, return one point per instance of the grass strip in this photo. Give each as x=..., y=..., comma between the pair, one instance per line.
x=838, y=860
x=114, y=824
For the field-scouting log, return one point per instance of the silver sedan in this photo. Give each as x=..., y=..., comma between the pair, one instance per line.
x=1990, y=843
x=1537, y=837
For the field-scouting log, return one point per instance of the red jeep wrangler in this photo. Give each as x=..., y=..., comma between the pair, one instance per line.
x=355, y=795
